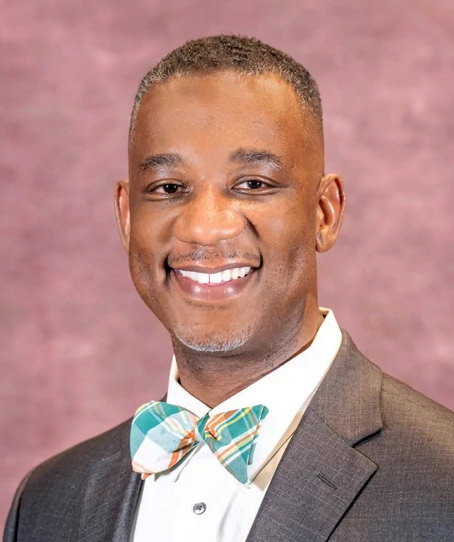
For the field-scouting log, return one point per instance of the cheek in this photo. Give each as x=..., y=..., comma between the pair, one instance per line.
x=145, y=234
x=293, y=269
x=151, y=225
x=144, y=261
x=146, y=282
x=289, y=237
x=141, y=272
x=289, y=249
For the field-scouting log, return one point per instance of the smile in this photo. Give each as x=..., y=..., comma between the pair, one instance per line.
x=204, y=286
x=227, y=275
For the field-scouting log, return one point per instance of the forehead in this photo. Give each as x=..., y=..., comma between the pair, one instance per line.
x=221, y=111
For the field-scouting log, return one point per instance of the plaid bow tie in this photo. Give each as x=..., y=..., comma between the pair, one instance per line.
x=162, y=434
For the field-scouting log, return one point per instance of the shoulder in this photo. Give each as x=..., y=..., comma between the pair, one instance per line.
x=55, y=489
x=400, y=408
x=414, y=450
x=412, y=426
x=410, y=439
x=399, y=429
x=84, y=456
x=406, y=400
x=411, y=417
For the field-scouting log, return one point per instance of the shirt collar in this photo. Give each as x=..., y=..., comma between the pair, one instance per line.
x=286, y=391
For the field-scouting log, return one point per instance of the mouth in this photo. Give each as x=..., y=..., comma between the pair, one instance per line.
x=213, y=284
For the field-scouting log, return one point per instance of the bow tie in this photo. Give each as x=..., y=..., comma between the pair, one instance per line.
x=162, y=434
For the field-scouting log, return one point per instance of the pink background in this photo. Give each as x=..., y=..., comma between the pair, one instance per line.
x=79, y=349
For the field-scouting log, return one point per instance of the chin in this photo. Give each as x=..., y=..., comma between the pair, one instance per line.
x=213, y=344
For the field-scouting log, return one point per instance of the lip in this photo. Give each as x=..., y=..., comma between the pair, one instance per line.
x=211, y=292
x=204, y=269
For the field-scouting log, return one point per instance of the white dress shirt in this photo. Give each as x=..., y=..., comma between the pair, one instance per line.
x=199, y=500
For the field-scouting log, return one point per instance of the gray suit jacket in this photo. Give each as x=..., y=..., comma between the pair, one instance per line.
x=372, y=460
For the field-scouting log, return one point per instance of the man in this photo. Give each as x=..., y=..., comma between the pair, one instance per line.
x=275, y=427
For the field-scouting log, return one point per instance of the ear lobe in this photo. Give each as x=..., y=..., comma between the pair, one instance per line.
x=330, y=210
x=122, y=212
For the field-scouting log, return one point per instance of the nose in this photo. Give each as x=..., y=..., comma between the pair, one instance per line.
x=208, y=219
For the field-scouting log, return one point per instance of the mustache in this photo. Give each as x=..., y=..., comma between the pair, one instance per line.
x=199, y=255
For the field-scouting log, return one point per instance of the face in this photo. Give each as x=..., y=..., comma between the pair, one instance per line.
x=224, y=210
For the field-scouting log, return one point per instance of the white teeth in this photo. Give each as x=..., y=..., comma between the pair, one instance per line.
x=203, y=278
x=216, y=278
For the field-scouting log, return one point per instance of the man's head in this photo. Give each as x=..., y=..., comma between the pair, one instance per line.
x=227, y=172
x=242, y=55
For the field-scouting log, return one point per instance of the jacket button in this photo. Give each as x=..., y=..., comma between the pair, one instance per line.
x=199, y=508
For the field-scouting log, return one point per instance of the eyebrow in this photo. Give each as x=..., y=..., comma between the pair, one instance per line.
x=252, y=156
x=168, y=159
x=244, y=156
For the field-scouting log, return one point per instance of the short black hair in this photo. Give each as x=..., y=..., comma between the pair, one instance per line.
x=235, y=53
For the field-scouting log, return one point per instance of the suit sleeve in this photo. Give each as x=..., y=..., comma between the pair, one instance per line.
x=12, y=523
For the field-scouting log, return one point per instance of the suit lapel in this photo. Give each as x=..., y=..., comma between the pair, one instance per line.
x=111, y=496
x=318, y=478
x=112, y=493
x=320, y=473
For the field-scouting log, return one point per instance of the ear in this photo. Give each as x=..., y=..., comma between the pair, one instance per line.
x=122, y=212
x=330, y=210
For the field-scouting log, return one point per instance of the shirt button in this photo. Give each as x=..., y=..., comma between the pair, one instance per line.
x=199, y=508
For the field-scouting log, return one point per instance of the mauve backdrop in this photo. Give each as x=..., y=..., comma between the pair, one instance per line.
x=79, y=349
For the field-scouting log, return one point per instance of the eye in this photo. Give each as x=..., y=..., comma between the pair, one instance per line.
x=253, y=184
x=256, y=185
x=166, y=189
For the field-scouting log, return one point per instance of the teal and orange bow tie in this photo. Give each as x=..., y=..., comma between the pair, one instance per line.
x=162, y=434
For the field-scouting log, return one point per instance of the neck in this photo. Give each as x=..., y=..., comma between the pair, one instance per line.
x=213, y=379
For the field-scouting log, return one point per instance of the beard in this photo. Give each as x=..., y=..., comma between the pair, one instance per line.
x=228, y=342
